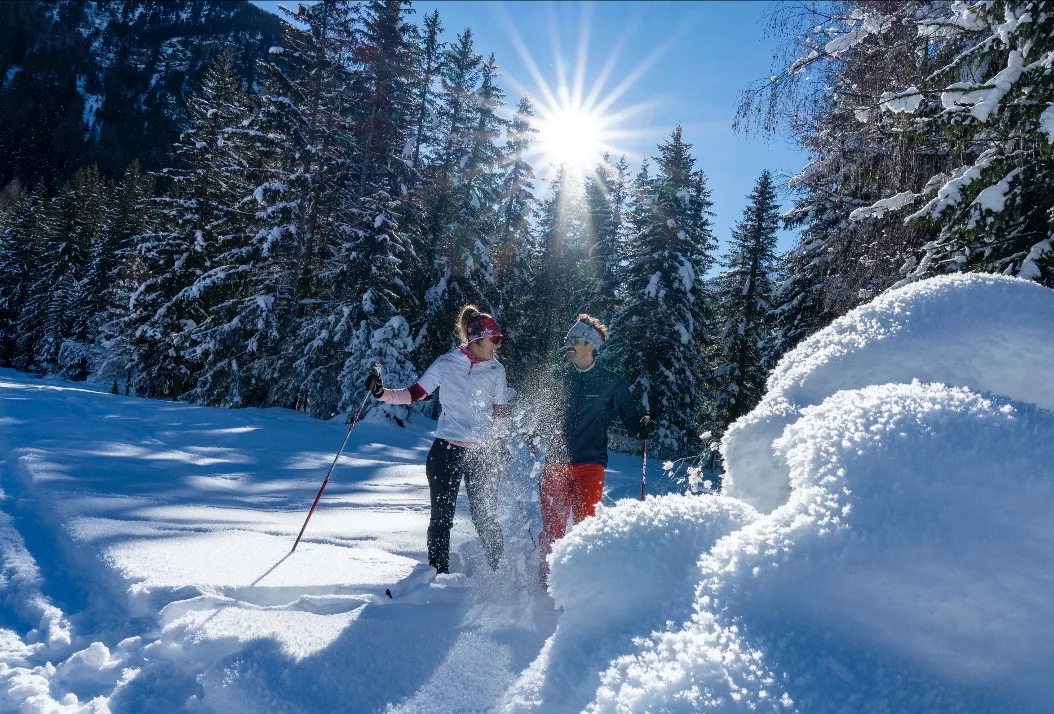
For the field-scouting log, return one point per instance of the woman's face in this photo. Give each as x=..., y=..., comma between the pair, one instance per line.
x=484, y=348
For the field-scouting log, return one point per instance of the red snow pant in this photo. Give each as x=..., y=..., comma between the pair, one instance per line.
x=567, y=489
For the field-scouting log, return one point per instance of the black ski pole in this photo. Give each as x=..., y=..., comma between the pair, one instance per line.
x=376, y=369
x=644, y=470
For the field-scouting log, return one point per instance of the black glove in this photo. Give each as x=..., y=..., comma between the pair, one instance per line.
x=375, y=385
x=647, y=428
x=530, y=438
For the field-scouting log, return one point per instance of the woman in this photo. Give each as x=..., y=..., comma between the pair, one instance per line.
x=472, y=416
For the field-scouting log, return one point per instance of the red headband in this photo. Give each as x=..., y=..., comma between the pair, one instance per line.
x=481, y=327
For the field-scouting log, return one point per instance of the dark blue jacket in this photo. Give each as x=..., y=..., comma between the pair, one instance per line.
x=591, y=400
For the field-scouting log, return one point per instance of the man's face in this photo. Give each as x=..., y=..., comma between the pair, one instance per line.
x=577, y=349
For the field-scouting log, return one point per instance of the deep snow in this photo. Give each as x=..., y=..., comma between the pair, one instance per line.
x=885, y=546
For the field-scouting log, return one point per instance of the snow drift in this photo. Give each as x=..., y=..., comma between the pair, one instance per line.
x=908, y=572
x=987, y=332
x=613, y=588
x=905, y=557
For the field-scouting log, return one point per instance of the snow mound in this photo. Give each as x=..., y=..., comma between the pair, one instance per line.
x=619, y=576
x=910, y=570
x=986, y=332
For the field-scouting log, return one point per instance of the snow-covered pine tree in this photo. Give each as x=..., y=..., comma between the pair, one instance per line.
x=606, y=191
x=661, y=326
x=935, y=138
x=830, y=97
x=59, y=295
x=446, y=290
x=742, y=295
x=478, y=190
x=995, y=209
x=200, y=221
x=129, y=214
x=374, y=252
x=305, y=204
x=798, y=308
x=237, y=152
x=20, y=249
x=514, y=252
x=428, y=52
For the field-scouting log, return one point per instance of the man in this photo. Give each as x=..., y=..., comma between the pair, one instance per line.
x=573, y=479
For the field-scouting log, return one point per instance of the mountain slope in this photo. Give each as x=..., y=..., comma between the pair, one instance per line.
x=103, y=82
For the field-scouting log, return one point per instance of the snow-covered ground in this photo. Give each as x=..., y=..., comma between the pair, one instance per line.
x=146, y=563
x=886, y=546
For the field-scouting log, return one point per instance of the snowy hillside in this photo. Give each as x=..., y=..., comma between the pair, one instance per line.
x=893, y=550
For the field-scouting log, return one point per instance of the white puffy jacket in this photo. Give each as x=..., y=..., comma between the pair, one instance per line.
x=472, y=389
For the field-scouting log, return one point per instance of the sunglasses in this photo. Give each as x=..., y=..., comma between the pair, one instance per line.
x=496, y=340
x=575, y=340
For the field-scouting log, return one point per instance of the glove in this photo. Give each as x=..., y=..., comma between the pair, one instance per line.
x=530, y=438
x=375, y=385
x=647, y=428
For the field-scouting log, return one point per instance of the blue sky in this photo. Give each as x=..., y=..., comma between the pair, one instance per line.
x=688, y=61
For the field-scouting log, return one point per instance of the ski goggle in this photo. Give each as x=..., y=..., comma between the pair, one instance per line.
x=575, y=340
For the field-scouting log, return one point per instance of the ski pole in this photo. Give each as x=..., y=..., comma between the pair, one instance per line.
x=376, y=369
x=644, y=470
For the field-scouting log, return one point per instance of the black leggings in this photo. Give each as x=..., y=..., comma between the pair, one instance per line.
x=447, y=464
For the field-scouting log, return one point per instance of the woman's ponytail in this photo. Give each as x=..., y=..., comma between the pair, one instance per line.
x=467, y=315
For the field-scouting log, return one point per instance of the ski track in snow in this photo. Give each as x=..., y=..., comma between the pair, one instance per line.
x=146, y=564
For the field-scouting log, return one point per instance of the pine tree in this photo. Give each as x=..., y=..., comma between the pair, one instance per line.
x=450, y=214
x=129, y=215
x=660, y=329
x=20, y=249
x=200, y=222
x=606, y=193
x=54, y=325
x=515, y=246
x=306, y=204
x=429, y=55
x=225, y=137
x=743, y=293
x=832, y=97
x=554, y=301
x=995, y=211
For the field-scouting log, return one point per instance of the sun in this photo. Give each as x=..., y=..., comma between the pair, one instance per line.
x=571, y=137
x=579, y=117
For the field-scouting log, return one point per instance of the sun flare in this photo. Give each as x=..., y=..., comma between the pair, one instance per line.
x=581, y=115
x=571, y=138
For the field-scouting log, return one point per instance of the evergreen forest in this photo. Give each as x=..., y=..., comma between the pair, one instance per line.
x=243, y=212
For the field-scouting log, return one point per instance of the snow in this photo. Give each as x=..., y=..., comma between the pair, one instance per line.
x=613, y=588
x=1046, y=122
x=869, y=24
x=802, y=62
x=92, y=104
x=1004, y=30
x=993, y=198
x=884, y=544
x=1030, y=266
x=652, y=290
x=883, y=206
x=989, y=333
x=145, y=564
x=909, y=571
x=951, y=192
x=984, y=100
x=906, y=102
x=10, y=75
